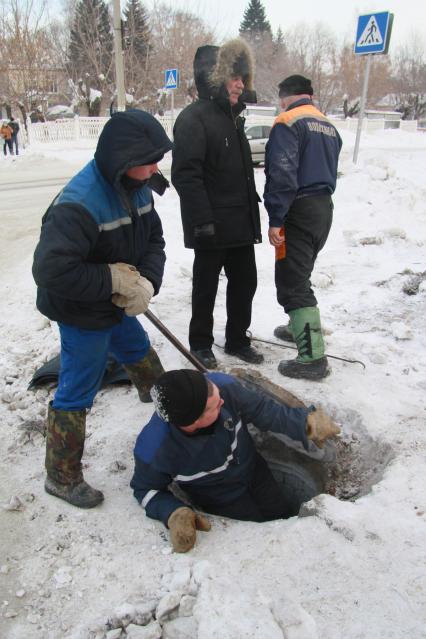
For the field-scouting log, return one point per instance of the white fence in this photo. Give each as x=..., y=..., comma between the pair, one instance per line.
x=90, y=128
x=78, y=128
x=351, y=124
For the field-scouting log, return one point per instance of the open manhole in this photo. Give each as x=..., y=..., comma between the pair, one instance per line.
x=346, y=468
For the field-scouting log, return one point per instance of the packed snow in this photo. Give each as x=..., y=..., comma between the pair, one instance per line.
x=348, y=569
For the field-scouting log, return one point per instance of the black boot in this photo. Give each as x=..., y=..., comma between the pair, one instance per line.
x=284, y=332
x=315, y=370
x=81, y=495
x=246, y=353
x=206, y=357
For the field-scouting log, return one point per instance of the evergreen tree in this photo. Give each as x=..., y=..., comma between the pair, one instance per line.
x=90, y=52
x=279, y=38
x=136, y=30
x=279, y=47
x=254, y=23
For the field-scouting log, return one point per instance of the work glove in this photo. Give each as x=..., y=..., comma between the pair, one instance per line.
x=124, y=278
x=320, y=427
x=137, y=303
x=183, y=524
x=205, y=235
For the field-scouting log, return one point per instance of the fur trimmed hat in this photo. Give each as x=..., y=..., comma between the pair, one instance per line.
x=180, y=396
x=295, y=85
x=233, y=58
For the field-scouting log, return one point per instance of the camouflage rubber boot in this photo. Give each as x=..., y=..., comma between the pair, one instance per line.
x=145, y=373
x=66, y=431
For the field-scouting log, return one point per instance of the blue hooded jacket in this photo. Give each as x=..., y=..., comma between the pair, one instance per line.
x=95, y=221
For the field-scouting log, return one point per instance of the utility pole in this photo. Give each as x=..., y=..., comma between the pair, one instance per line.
x=119, y=63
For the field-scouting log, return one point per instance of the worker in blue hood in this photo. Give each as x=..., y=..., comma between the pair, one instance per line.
x=99, y=260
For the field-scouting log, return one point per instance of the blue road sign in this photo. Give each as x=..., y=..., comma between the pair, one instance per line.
x=171, y=79
x=373, y=33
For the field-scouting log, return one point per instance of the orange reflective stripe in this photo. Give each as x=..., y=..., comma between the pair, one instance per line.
x=303, y=111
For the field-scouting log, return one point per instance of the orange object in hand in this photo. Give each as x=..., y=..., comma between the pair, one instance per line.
x=280, y=251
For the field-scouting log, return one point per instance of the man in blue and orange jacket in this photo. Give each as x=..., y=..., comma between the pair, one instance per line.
x=301, y=170
x=198, y=438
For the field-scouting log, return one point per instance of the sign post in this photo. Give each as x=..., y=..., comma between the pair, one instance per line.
x=171, y=81
x=372, y=37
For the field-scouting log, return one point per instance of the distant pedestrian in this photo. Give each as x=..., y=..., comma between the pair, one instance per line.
x=6, y=134
x=301, y=171
x=14, y=125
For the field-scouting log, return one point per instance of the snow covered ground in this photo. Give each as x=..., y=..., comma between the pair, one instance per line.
x=351, y=570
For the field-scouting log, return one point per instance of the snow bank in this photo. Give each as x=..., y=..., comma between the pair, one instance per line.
x=346, y=569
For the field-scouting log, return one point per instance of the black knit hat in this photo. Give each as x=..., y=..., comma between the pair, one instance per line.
x=295, y=85
x=180, y=396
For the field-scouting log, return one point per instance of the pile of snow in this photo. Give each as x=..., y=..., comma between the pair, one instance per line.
x=59, y=111
x=348, y=568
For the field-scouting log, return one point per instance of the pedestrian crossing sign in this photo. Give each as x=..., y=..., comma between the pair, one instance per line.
x=171, y=79
x=373, y=33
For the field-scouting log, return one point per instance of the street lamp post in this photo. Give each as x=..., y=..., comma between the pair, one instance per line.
x=118, y=51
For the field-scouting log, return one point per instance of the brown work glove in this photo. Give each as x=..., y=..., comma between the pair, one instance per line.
x=183, y=524
x=124, y=278
x=138, y=302
x=320, y=427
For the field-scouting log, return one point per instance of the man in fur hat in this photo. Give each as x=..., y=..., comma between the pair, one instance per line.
x=301, y=170
x=212, y=172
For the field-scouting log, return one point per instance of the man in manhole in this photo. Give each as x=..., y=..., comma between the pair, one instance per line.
x=198, y=438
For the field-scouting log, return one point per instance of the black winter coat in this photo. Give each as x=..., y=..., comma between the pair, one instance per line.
x=95, y=222
x=213, y=174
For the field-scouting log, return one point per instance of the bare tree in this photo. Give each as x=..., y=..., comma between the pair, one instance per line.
x=409, y=78
x=312, y=51
x=27, y=64
x=175, y=37
x=137, y=51
x=351, y=77
x=270, y=55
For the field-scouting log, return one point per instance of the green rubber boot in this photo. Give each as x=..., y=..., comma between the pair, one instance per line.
x=145, y=373
x=310, y=362
x=66, y=431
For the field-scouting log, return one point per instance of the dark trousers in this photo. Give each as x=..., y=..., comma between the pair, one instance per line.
x=307, y=226
x=15, y=142
x=240, y=269
x=262, y=501
x=8, y=145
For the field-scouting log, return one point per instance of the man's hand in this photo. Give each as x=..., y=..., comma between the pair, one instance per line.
x=276, y=238
x=320, y=427
x=183, y=524
x=124, y=278
x=137, y=303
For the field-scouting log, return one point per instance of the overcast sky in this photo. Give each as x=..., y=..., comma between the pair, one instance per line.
x=339, y=15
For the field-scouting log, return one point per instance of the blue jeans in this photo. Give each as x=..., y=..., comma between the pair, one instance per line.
x=84, y=355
